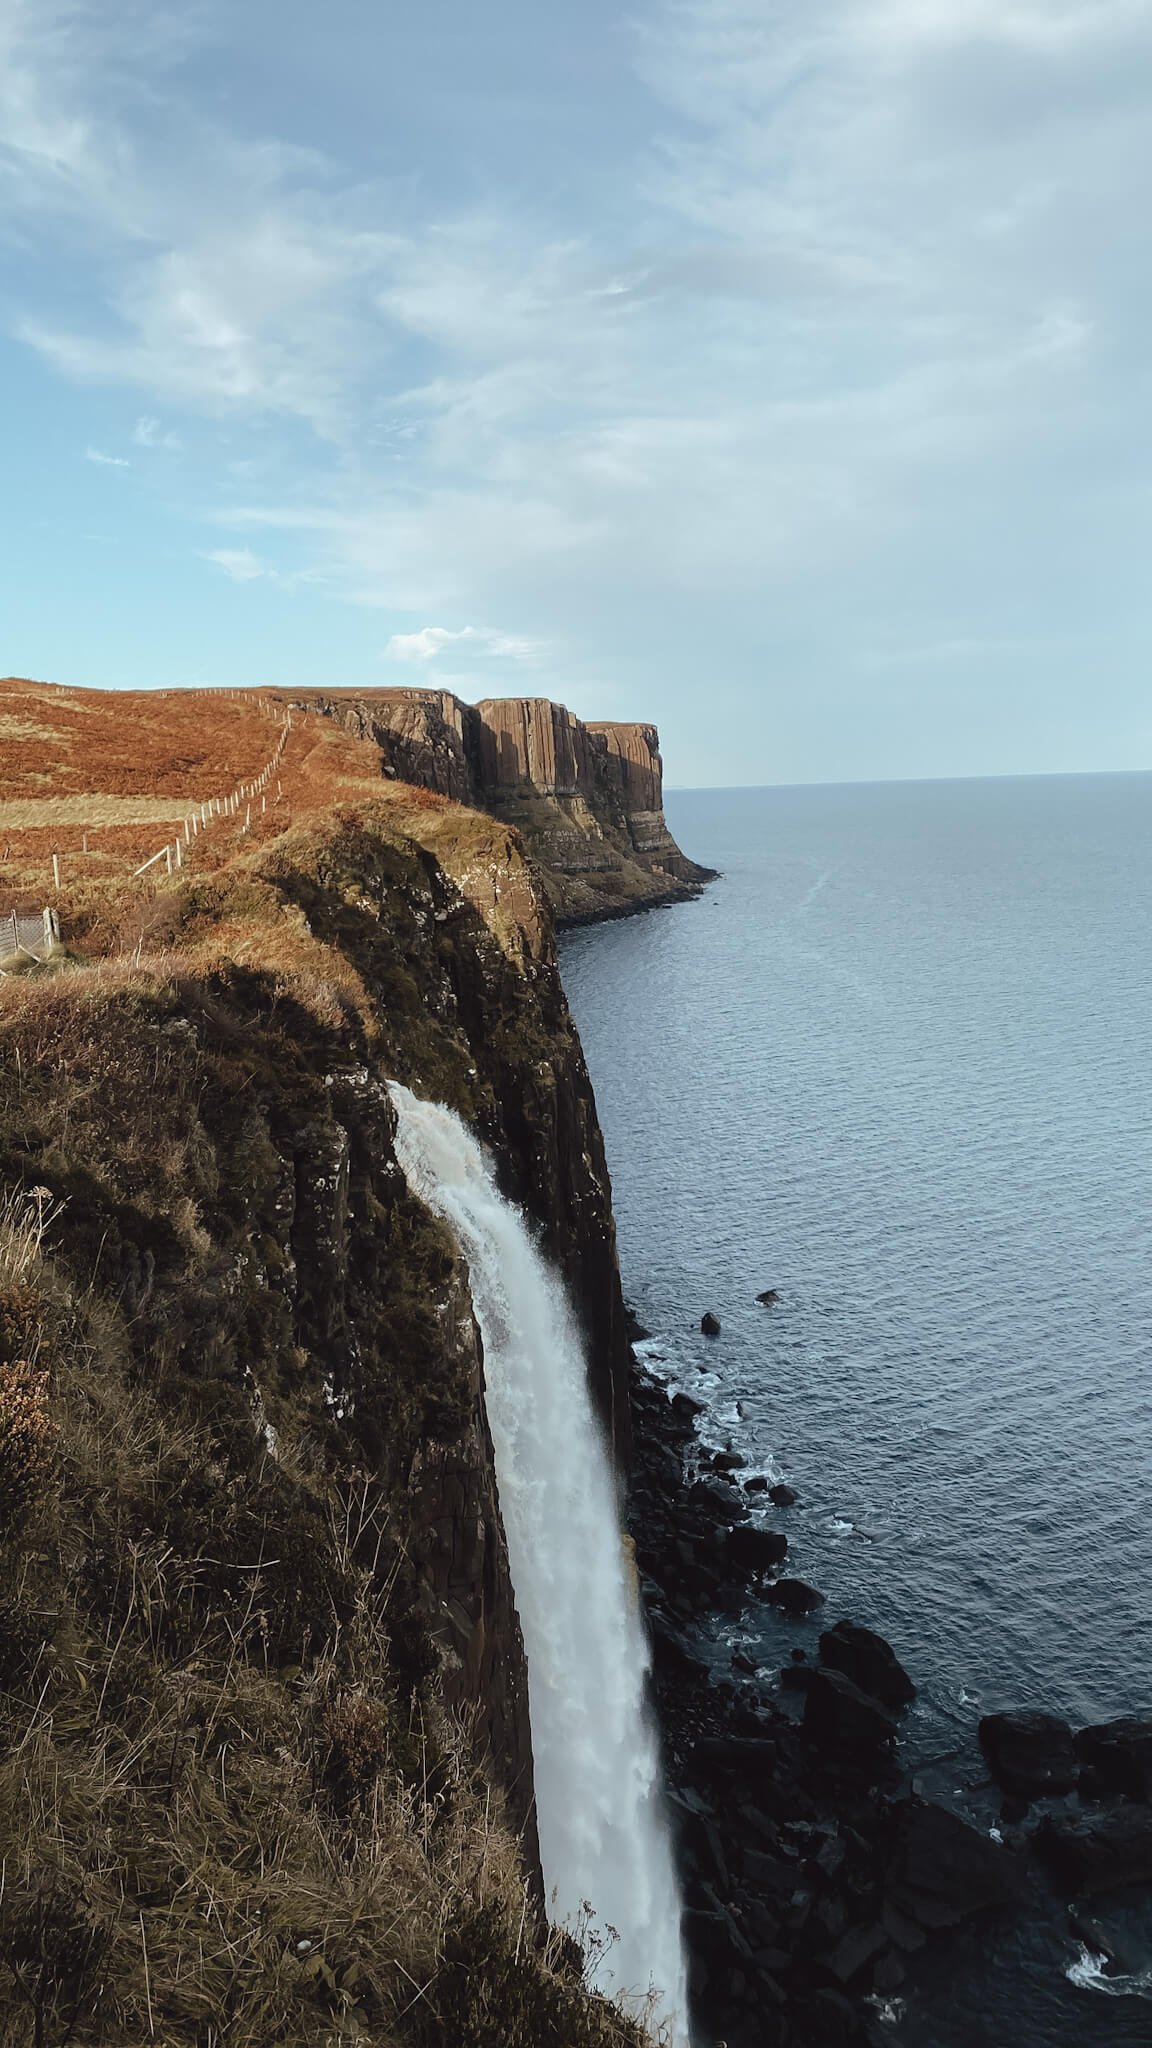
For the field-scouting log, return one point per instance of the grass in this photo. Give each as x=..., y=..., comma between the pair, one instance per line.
x=229, y=1817
x=236, y=1809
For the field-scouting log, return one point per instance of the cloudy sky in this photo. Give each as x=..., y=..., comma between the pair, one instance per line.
x=778, y=371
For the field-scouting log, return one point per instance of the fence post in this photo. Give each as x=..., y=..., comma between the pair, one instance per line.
x=56, y=870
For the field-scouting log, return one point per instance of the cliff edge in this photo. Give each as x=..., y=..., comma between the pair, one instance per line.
x=587, y=798
x=266, y=1769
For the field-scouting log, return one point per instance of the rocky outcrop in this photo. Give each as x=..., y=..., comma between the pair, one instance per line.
x=587, y=799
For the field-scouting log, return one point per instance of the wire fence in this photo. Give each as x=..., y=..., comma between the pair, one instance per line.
x=200, y=818
x=32, y=936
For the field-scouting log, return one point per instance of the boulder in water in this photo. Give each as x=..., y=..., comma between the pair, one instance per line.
x=795, y=1596
x=938, y=1869
x=843, y=1721
x=728, y=1461
x=756, y=1550
x=1119, y=1755
x=1098, y=1852
x=1029, y=1753
x=781, y=1496
x=710, y=1324
x=769, y=1298
x=868, y=1661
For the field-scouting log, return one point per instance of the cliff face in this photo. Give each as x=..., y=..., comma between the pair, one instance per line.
x=274, y=1523
x=587, y=798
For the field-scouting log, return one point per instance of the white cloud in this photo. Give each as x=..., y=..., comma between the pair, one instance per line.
x=149, y=432
x=106, y=461
x=431, y=641
x=877, y=288
x=240, y=564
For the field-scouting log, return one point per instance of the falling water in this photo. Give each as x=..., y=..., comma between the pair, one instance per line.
x=602, y=1836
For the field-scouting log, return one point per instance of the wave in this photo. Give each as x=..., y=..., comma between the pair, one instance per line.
x=1089, y=1972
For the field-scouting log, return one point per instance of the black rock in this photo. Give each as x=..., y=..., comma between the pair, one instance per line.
x=781, y=1496
x=756, y=1550
x=718, y=1500
x=709, y=1324
x=770, y=1296
x=1098, y=1852
x=868, y=1661
x=749, y=1756
x=741, y=1661
x=856, y=1950
x=938, y=1870
x=684, y=1408
x=757, y=1484
x=728, y=1461
x=1029, y=1753
x=670, y=1652
x=842, y=1720
x=795, y=1596
x=796, y=1677
x=1119, y=1755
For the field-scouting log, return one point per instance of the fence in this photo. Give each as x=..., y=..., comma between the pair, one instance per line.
x=33, y=935
x=199, y=819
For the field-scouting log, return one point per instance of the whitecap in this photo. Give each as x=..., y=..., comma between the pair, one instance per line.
x=1089, y=1972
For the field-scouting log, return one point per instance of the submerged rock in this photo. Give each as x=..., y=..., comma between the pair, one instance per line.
x=1029, y=1753
x=770, y=1296
x=868, y=1661
x=781, y=1496
x=710, y=1324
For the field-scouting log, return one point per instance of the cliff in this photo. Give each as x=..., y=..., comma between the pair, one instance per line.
x=261, y=1674
x=587, y=798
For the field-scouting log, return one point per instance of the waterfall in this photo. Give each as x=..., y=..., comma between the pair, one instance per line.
x=603, y=1841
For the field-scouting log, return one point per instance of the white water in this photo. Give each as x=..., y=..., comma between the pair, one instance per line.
x=603, y=1841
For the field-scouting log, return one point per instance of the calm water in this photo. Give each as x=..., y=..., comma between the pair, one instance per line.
x=896, y=1064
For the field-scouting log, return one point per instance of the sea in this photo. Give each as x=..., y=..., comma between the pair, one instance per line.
x=896, y=1064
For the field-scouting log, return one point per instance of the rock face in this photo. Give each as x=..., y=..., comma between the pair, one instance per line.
x=305, y=1291
x=586, y=798
x=1029, y=1753
x=1119, y=1755
x=868, y=1661
x=1098, y=1852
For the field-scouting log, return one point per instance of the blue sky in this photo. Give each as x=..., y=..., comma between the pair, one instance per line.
x=777, y=372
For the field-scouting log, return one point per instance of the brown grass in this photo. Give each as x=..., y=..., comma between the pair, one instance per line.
x=202, y=1844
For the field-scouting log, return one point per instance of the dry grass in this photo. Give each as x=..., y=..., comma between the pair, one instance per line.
x=201, y=1845
x=24, y=814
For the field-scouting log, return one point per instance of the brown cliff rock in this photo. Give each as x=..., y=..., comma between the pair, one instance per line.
x=587, y=799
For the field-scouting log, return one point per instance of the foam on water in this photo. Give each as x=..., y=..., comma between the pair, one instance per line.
x=1089, y=1972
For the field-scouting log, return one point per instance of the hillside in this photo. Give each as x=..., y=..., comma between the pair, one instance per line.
x=267, y=1763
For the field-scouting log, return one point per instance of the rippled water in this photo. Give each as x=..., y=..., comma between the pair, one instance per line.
x=896, y=1063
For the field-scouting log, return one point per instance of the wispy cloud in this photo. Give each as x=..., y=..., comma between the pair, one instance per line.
x=239, y=564
x=149, y=432
x=429, y=642
x=868, y=301
x=98, y=456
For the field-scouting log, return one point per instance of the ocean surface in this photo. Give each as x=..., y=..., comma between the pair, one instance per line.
x=897, y=1064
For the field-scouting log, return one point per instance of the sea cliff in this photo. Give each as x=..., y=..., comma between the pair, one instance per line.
x=588, y=799
x=267, y=1751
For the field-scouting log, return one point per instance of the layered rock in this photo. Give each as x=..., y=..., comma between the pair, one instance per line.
x=586, y=798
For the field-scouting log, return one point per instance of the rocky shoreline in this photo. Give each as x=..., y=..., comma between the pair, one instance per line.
x=816, y=1873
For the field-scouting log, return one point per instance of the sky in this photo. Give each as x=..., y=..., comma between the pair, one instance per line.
x=777, y=372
